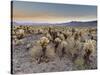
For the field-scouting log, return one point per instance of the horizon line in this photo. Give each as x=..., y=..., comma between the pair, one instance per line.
x=53, y=22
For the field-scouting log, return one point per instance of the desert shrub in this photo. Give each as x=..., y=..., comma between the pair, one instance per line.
x=18, y=42
x=79, y=63
x=40, y=31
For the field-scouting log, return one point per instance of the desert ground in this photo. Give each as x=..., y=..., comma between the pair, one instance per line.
x=38, y=49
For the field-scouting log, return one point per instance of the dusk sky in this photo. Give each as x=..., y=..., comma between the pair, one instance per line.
x=52, y=13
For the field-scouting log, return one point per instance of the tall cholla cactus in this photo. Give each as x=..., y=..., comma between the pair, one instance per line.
x=69, y=34
x=89, y=48
x=43, y=42
x=74, y=47
x=57, y=41
x=50, y=52
x=48, y=36
x=76, y=36
x=61, y=36
x=62, y=48
x=83, y=35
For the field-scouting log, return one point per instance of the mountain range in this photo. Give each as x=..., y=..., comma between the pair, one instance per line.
x=72, y=23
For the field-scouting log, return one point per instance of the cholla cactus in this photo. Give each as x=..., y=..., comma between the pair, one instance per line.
x=53, y=34
x=20, y=33
x=36, y=53
x=65, y=35
x=57, y=41
x=61, y=36
x=81, y=32
x=50, y=54
x=94, y=36
x=69, y=33
x=64, y=44
x=71, y=42
x=62, y=49
x=89, y=49
x=43, y=42
x=89, y=45
x=76, y=36
x=74, y=47
x=73, y=30
x=83, y=35
x=49, y=36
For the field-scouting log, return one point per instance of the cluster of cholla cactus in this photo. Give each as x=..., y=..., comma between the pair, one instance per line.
x=89, y=48
x=57, y=41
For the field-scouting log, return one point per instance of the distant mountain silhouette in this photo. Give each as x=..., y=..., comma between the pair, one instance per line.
x=72, y=23
x=76, y=23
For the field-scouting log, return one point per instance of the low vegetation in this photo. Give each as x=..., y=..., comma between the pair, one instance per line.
x=76, y=43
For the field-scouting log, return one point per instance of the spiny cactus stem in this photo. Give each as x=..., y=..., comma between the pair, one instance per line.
x=44, y=50
x=86, y=56
x=63, y=51
x=56, y=45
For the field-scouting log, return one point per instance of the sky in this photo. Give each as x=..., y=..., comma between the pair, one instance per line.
x=52, y=13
